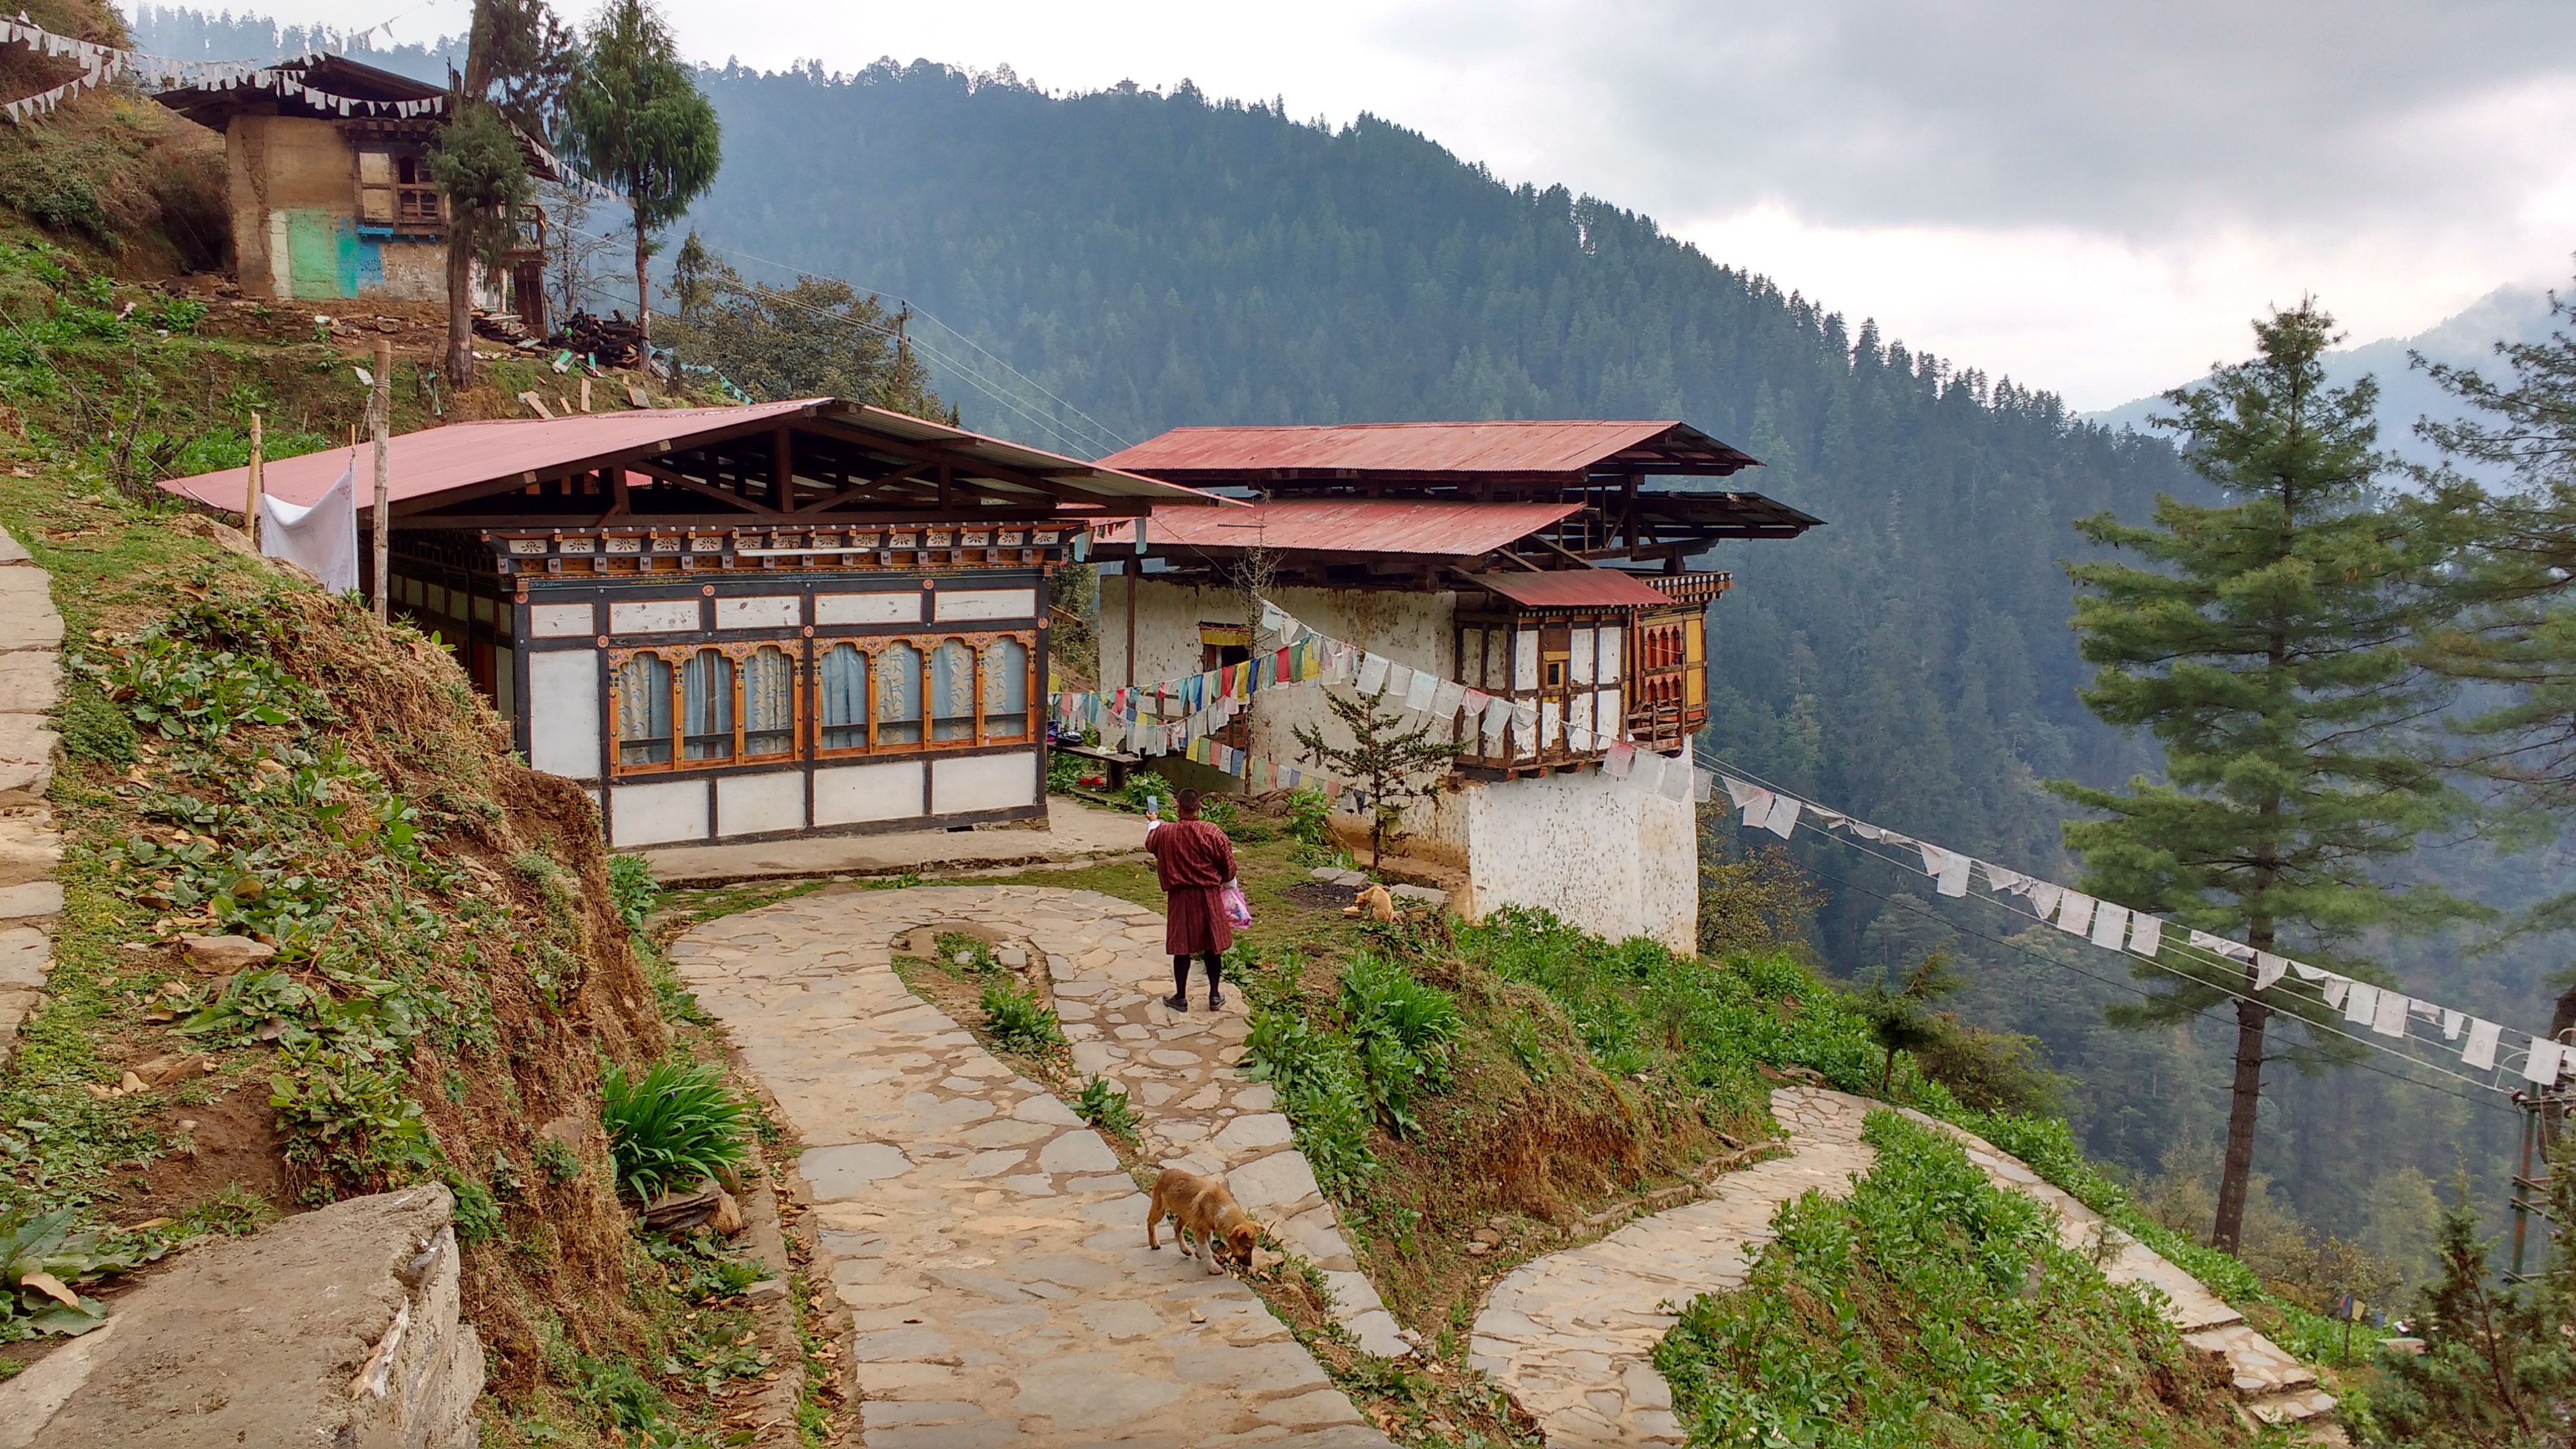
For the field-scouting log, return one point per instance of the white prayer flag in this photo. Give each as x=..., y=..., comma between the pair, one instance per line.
x=2333, y=989
x=1525, y=725
x=2452, y=1021
x=2390, y=1019
x=1948, y=869
x=1372, y=673
x=2044, y=898
x=323, y=537
x=1677, y=785
x=2541, y=1067
x=2268, y=968
x=2308, y=972
x=2075, y=913
x=1703, y=785
x=1756, y=800
x=2480, y=1053
x=2002, y=881
x=2110, y=923
x=1446, y=698
x=1420, y=690
x=1784, y=809
x=2361, y=1005
x=1743, y=792
x=1273, y=618
x=2146, y=934
x=1399, y=682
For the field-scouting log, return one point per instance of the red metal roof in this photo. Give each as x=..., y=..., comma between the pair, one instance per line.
x=1575, y=589
x=459, y=456
x=1443, y=451
x=1349, y=525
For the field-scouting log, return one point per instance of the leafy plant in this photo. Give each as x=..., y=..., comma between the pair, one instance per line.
x=671, y=1127
x=1310, y=816
x=1105, y=1107
x=1402, y=1029
x=632, y=890
x=1018, y=1021
x=42, y=1265
x=1321, y=1090
x=348, y=1123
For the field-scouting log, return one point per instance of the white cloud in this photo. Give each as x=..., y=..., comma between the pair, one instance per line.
x=2092, y=198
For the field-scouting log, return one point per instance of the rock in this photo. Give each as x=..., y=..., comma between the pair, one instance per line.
x=1011, y=956
x=677, y=1212
x=1428, y=895
x=223, y=955
x=764, y=1292
x=728, y=1219
x=568, y=1129
x=1329, y=874
x=222, y=535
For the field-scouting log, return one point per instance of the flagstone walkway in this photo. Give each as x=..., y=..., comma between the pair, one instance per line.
x=987, y=1244
x=1572, y=1335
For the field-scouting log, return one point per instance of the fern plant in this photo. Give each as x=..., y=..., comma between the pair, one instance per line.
x=671, y=1127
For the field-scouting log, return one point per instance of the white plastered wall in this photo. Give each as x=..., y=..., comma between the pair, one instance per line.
x=1610, y=859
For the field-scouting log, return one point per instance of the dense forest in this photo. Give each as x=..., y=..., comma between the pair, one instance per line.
x=1088, y=270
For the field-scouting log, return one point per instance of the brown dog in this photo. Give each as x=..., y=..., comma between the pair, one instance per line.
x=1200, y=1207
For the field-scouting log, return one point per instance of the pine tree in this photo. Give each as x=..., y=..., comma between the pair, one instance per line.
x=1395, y=768
x=2263, y=645
x=2498, y=1370
x=517, y=58
x=2516, y=621
x=634, y=118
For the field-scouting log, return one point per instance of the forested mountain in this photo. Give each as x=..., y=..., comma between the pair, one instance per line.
x=1145, y=260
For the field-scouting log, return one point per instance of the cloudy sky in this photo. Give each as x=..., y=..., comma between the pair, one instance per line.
x=2092, y=198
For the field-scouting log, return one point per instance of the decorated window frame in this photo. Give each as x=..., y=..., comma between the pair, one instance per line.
x=986, y=694
x=679, y=742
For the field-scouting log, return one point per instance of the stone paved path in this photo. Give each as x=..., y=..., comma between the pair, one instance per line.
x=1572, y=1334
x=986, y=1243
x=31, y=637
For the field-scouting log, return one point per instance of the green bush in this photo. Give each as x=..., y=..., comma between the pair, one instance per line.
x=1017, y=1021
x=671, y=1127
x=1932, y=1307
x=1401, y=1028
x=631, y=888
x=1321, y=1089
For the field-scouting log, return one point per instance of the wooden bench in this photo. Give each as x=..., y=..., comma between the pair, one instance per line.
x=1117, y=761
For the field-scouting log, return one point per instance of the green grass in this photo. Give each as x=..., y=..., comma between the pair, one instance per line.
x=1930, y=1307
x=672, y=1126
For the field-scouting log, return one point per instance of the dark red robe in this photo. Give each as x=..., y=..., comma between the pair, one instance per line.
x=1194, y=860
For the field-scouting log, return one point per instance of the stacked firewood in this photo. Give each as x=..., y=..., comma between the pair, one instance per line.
x=612, y=341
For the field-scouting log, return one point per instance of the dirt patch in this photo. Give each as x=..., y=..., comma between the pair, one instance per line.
x=228, y=1140
x=1316, y=895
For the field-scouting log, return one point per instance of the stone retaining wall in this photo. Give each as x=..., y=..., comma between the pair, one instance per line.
x=31, y=637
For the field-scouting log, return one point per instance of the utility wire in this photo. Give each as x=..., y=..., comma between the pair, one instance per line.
x=1710, y=759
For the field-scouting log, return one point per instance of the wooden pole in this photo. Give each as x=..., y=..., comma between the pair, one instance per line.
x=250, y=499
x=380, y=407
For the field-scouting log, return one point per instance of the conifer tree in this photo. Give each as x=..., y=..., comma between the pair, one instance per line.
x=2262, y=642
x=634, y=118
x=1397, y=768
x=517, y=57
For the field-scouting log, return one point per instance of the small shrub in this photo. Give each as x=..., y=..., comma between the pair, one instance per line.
x=1320, y=1085
x=1402, y=1029
x=1105, y=1107
x=1017, y=1020
x=632, y=890
x=95, y=731
x=669, y=1128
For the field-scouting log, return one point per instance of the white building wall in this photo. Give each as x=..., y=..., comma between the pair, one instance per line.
x=1612, y=860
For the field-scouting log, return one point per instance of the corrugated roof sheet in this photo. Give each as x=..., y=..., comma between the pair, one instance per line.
x=434, y=461
x=1575, y=589
x=1442, y=451
x=1439, y=527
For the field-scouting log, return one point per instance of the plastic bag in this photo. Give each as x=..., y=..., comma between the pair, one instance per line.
x=1238, y=911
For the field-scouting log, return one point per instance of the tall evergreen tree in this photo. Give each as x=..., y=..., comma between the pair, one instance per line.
x=634, y=118
x=2515, y=585
x=2261, y=640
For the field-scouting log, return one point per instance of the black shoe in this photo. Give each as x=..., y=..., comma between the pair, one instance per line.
x=1216, y=1001
x=1177, y=1001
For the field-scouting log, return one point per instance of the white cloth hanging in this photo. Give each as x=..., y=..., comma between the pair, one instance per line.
x=1421, y=690
x=1446, y=698
x=2480, y=1052
x=1948, y=869
x=2268, y=968
x=1372, y=677
x=2390, y=1018
x=322, y=537
x=2110, y=925
x=2075, y=913
x=2540, y=1068
x=2146, y=934
x=2361, y=1004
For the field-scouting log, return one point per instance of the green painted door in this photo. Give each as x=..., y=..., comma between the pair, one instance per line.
x=322, y=254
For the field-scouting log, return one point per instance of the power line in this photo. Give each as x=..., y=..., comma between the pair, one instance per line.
x=1712, y=760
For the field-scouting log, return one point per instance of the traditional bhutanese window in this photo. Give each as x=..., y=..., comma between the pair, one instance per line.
x=899, y=695
x=706, y=707
x=952, y=692
x=644, y=711
x=768, y=703
x=1006, y=689
x=842, y=683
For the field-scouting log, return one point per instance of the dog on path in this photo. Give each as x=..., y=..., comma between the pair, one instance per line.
x=1201, y=1208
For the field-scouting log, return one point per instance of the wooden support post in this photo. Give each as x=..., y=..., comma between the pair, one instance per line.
x=1133, y=569
x=380, y=407
x=782, y=470
x=250, y=500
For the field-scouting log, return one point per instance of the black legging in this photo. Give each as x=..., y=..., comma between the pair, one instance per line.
x=1181, y=973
